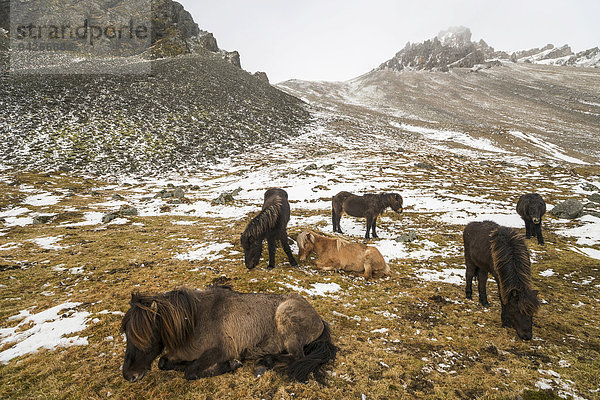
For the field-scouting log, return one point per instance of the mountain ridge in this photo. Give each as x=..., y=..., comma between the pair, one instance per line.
x=452, y=48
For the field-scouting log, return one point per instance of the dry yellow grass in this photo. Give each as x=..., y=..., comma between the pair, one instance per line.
x=436, y=344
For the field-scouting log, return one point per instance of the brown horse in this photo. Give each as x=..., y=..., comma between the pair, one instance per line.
x=335, y=253
x=270, y=223
x=206, y=333
x=501, y=251
x=369, y=206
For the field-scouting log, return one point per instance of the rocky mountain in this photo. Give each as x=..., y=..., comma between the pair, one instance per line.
x=195, y=105
x=453, y=48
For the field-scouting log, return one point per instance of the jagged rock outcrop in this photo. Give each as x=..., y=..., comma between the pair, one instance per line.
x=174, y=31
x=186, y=112
x=449, y=49
x=453, y=48
x=262, y=76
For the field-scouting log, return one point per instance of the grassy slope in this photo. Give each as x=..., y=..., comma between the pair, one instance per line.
x=438, y=345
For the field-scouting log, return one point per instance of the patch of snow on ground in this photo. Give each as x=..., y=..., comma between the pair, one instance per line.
x=48, y=243
x=318, y=289
x=44, y=199
x=451, y=136
x=207, y=252
x=454, y=276
x=551, y=149
x=48, y=331
x=587, y=234
x=547, y=273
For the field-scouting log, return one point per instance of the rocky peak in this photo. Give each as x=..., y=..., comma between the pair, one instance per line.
x=455, y=36
x=452, y=48
x=174, y=31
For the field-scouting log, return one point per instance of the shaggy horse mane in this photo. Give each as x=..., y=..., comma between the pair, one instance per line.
x=171, y=315
x=264, y=222
x=513, y=268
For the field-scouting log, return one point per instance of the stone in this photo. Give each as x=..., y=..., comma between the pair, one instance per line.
x=128, y=210
x=569, y=209
x=407, y=237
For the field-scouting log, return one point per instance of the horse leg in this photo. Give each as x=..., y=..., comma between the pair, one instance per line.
x=373, y=227
x=199, y=368
x=481, y=283
x=503, y=316
x=164, y=364
x=369, y=223
x=538, y=229
x=271, y=245
x=471, y=270
x=283, y=238
x=368, y=270
x=333, y=218
x=527, y=229
x=337, y=217
x=263, y=364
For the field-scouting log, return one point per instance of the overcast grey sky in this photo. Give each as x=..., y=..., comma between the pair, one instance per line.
x=341, y=39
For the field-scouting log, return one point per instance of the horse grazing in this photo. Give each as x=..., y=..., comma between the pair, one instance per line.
x=209, y=332
x=369, y=205
x=335, y=253
x=502, y=252
x=270, y=223
x=531, y=207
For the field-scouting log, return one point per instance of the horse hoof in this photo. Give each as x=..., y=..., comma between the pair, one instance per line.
x=235, y=364
x=260, y=371
x=162, y=363
x=270, y=267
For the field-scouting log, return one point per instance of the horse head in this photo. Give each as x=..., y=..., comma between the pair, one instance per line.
x=519, y=311
x=306, y=241
x=252, y=250
x=143, y=339
x=394, y=201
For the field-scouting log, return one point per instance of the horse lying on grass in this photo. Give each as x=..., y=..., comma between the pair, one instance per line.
x=501, y=251
x=270, y=223
x=369, y=206
x=209, y=332
x=335, y=253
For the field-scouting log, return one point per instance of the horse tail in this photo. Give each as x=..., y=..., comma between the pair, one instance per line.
x=512, y=264
x=316, y=354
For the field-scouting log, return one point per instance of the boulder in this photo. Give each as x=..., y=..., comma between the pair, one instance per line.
x=569, y=209
x=424, y=165
x=594, y=197
x=128, y=210
x=407, y=237
x=588, y=187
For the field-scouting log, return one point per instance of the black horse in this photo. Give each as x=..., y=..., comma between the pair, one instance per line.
x=369, y=206
x=270, y=223
x=501, y=251
x=531, y=207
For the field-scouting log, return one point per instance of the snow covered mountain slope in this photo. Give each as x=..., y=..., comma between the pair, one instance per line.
x=557, y=109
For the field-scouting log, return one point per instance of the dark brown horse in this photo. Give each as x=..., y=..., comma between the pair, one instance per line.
x=270, y=223
x=531, y=207
x=501, y=251
x=209, y=332
x=369, y=206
